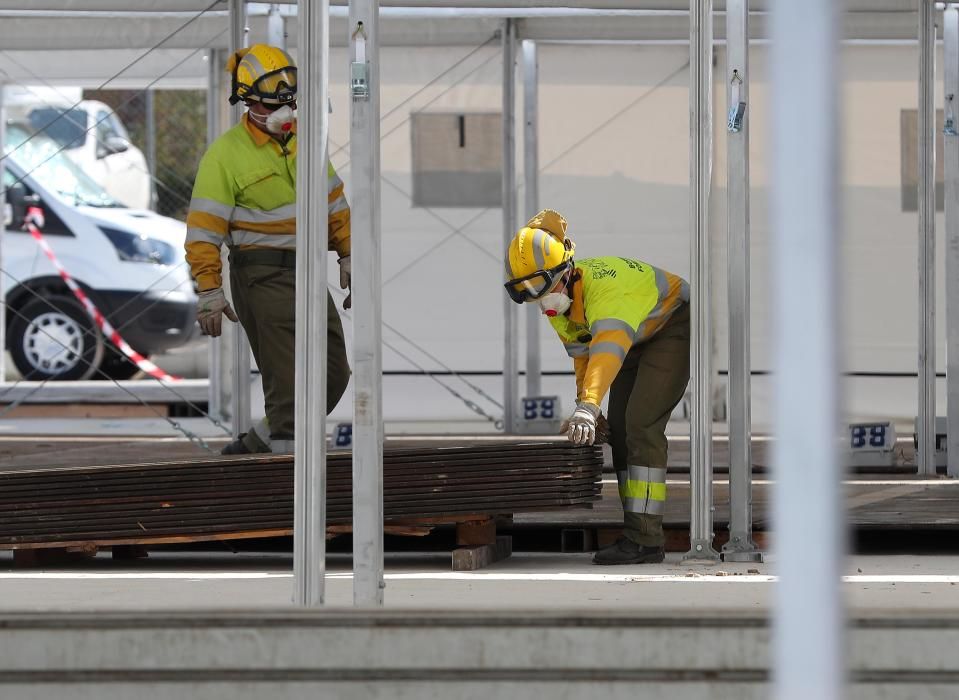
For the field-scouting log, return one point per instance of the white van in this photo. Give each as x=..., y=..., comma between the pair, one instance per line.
x=130, y=263
x=91, y=134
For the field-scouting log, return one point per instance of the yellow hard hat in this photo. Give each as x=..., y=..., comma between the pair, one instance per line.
x=262, y=73
x=539, y=254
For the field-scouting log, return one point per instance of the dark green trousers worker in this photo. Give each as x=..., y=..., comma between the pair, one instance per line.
x=650, y=384
x=263, y=287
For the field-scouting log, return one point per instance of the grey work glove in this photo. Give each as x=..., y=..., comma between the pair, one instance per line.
x=346, y=274
x=210, y=307
x=581, y=426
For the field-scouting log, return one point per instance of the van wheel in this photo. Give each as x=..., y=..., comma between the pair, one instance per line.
x=55, y=338
x=115, y=365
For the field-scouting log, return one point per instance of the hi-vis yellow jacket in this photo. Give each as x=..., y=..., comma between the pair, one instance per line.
x=617, y=303
x=245, y=196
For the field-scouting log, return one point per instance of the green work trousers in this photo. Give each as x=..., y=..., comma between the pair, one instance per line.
x=649, y=385
x=264, y=297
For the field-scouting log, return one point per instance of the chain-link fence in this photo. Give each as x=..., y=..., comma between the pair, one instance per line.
x=172, y=141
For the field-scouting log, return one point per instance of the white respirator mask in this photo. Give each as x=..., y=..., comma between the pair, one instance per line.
x=279, y=121
x=555, y=303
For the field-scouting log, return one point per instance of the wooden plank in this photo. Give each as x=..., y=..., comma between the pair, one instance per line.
x=476, y=532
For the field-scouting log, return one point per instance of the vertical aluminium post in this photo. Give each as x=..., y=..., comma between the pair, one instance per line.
x=700, y=171
x=950, y=39
x=309, y=501
x=740, y=546
x=221, y=386
x=807, y=506
x=151, y=144
x=3, y=210
x=531, y=180
x=510, y=311
x=367, y=302
x=926, y=429
x=240, y=411
x=276, y=27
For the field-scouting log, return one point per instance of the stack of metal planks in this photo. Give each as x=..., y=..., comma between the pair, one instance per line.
x=252, y=496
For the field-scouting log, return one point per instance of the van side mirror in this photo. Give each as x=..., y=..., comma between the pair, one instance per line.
x=16, y=206
x=112, y=144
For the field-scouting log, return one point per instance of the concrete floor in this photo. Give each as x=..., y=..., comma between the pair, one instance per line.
x=178, y=580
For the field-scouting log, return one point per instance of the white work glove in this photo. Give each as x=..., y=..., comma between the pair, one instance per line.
x=210, y=307
x=581, y=426
x=346, y=270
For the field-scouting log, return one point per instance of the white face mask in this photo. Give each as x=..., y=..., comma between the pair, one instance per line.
x=279, y=121
x=555, y=303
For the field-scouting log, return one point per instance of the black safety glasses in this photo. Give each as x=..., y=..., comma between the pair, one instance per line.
x=536, y=285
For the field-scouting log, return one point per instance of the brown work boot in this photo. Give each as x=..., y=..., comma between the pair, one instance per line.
x=625, y=551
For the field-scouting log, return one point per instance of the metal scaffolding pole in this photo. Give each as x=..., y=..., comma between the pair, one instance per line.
x=151, y=144
x=926, y=429
x=950, y=26
x=534, y=365
x=510, y=315
x=3, y=208
x=220, y=349
x=740, y=546
x=240, y=396
x=368, y=581
x=309, y=502
x=807, y=506
x=700, y=172
x=276, y=27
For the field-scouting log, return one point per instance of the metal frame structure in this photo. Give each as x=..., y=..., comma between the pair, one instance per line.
x=950, y=142
x=309, y=520
x=700, y=173
x=926, y=423
x=534, y=365
x=807, y=506
x=740, y=546
x=510, y=312
x=367, y=289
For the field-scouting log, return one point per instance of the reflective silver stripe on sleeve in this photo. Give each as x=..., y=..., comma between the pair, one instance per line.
x=611, y=348
x=684, y=291
x=338, y=204
x=576, y=349
x=261, y=216
x=211, y=206
x=267, y=240
x=195, y=234
x=611, y=324
x=333, y=182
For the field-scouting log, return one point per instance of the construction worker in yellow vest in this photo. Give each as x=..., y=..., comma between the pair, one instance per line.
x=625, y=323
x=245, y=196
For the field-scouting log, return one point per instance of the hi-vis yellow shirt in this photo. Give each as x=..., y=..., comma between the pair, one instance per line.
x=245, y=196
x=617, y=303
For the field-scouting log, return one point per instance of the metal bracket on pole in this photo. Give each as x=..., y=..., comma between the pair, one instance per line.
x=700, y=171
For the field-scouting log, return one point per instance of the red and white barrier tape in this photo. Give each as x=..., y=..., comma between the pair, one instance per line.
x=104, y=325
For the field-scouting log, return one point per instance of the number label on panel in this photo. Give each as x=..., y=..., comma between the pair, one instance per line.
x=871, y=436
x=540, y=408
x=343, y=435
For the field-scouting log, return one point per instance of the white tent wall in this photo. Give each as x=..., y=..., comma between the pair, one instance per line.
x=623, y=185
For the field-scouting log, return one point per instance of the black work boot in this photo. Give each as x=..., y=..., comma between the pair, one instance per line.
x=625, y=551
x=241, y=446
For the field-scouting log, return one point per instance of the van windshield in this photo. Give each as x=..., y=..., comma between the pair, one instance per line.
x=42, y=158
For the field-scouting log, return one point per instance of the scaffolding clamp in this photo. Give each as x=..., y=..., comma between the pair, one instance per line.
x=360, y=67
x=737, y=109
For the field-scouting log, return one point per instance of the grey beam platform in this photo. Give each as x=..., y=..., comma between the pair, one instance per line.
x=94, y=392
x=416, y=654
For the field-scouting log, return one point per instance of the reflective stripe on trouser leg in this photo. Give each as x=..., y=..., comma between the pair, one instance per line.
x=644, y=502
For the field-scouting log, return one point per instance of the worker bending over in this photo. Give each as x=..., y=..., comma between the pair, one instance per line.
x=625, y=323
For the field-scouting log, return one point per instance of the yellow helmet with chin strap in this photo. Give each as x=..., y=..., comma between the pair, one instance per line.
x=262, y=73
x=539, y=255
